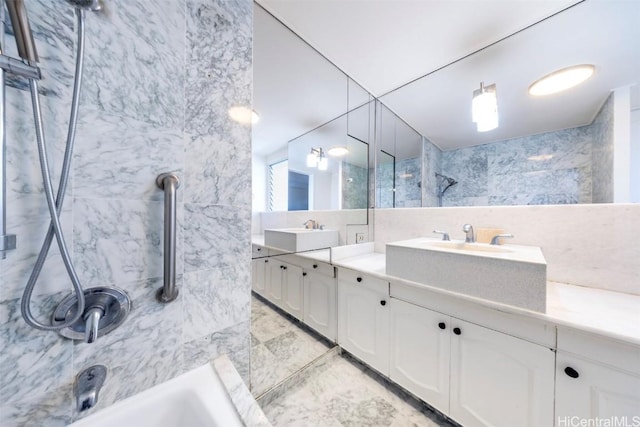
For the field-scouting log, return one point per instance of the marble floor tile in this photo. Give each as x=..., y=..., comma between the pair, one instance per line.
x=337, y=391
x=279, y=347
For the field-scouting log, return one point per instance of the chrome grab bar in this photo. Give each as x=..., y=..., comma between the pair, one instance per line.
x=169, y=183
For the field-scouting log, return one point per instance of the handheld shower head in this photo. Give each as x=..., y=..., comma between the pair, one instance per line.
x=93, y=5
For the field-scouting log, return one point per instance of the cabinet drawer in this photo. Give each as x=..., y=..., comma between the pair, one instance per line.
x=258, y=251
x=618, y=354
x=359, y=279
x=319, y=267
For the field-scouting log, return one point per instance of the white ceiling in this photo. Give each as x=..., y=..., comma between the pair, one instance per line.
x=385, y=44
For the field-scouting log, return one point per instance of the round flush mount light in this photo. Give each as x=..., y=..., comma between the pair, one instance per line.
x=244, y=115
x=338, y=151
x=560, y=80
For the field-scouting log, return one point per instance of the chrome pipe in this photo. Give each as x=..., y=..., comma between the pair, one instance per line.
x=22, y=31
x=169, y=183
x=7, y=241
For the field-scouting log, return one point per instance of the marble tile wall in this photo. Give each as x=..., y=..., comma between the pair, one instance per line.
x=589, y=245
x=354, y=186
x=549, y=168
x=432, y=161
x=602, y=154
x=159, y=79
x=409, y=183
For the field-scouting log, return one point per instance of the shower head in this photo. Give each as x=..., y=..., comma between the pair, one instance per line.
x=93, y=5
x=449, y=181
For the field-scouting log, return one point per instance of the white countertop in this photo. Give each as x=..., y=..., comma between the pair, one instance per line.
x=612, y=314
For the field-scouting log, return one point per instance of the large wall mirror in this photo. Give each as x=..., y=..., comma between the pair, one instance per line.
x=577, y=146
x=307, y=106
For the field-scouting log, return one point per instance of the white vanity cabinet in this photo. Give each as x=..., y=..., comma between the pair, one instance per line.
x=475, y=375
x=320, y=299
x=420, y=352
x=259, y=275
x=284, y=286
x=499, y=380
x=363, y=313
x=596, y=378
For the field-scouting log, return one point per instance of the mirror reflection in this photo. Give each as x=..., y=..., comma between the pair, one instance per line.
x=554, y=149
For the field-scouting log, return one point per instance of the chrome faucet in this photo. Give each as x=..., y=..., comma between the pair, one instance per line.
x=470, y=237
x=496, y=239
x=445, y=235
x=87, y=387
x=309, y=224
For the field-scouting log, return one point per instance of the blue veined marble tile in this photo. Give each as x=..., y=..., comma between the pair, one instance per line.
x=468, y=166
x=219, y=64
x=132, y=377
x=216, y=236
x=49, y=409
x=354, y=186
x=134, y=62
x=233, y=341
x=408, y=183
x=564, y=149
x=432, y=160
x=120, y=241
x=448, y=201
x=215, y=300
x=575, y=181
x=119, y=157
x=216, y=168
x=25, y=220
x=28, y=355
x=602, y=167
x=150, y=335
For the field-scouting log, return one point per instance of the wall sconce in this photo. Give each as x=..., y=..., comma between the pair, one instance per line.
x=317, y=158
x=484, y=107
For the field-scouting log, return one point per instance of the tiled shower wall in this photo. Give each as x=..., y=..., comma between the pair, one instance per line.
x=563, y=167
x=159, y=79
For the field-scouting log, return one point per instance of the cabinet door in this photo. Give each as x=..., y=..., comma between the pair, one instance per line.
x=258, y=275
x=419, y=359
x=274, y=282
x=292, y=290
x=320, y=303
x=364, y=324
x=499, y=380
x=588, y=390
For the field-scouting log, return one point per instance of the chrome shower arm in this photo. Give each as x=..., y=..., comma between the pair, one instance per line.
x=22, y=31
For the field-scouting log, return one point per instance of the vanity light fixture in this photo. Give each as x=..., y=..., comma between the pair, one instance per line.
x=244, y=115
x=560, y=80
x=317, y=158
x=323, y=162
x=484, y=107
x=338, y=151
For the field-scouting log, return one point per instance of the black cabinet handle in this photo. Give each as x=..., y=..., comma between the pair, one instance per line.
x=266, y=260
x=304, y=273
x=442, y=325
x=259, y=249
x=571, y=372
x=284, y=267
x=315, y=265
x=383, y=303
x=359, y=279
x=457, y=331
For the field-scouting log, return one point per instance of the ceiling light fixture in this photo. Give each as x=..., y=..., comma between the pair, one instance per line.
x=338, y=151
x=244, y=115
x=560, y=80
x=484, y=107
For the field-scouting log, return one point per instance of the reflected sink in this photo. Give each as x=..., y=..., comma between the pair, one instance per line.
x=300, y=239
x=197, y=398
x=509, y=274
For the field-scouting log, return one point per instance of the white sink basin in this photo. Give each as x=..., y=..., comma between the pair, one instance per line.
x=300, y=239
x=196, y=398
x=509, y=274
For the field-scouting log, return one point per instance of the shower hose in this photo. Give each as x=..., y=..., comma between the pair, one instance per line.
x=55, y=205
